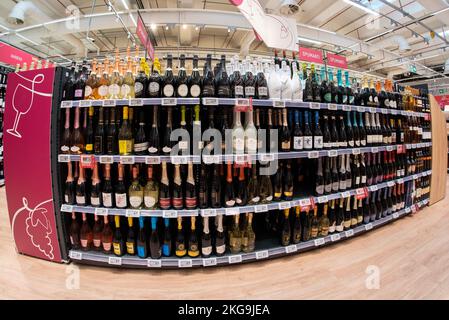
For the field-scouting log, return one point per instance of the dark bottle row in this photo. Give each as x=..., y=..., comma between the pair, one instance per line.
x=147, y=131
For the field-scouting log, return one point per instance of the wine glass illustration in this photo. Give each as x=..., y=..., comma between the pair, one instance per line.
x=22, y=100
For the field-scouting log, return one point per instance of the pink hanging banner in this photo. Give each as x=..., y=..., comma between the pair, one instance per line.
x=13, y=56
x=334, y=60
x=310, y=55
x=144, y=38
x=28, y=177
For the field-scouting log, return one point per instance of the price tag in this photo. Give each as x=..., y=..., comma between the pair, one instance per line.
x=169, y=213
x=332, y=153
x=209, y=262
x=240, y=158
x=374, y=188
x=401, y=149
x=414, y=208
x=185, y=263
x=291, y=248
x=384, y=111
x=267, y=157
x=179, y=159
x=319, y=242
x=356, y=151
x=315, y=106
x=66, y=208
x=322, y=199
x=278, y=104
x=400, y=181
x=414, y=146
x=235, y=259
x=262, y=254
x=390, y=183
x=63, y=158
x=101, y=211
x=345, y=194
x=154, y=263
x=305, y=202
x=284, y=205
x=394, y=112
x=372, y=110
x=395, y=215
x=368, y=226
x=407, y=210
x=66, y=104
x=132, y=213
x=106, y=159
x=152, y=160
x=116, y=261
x=332, y=106
x=349, y=233
x=135, y=102
x=169, y=101
x=211, y=159
x=109, y=103
x=208, y=212
x=210, y=101
x=127, y=160
x=85, y=103
x=76, y=255
x=335, y=237
x=346, y=108
x=390, y=148
x=360, y=193
x=415, y=176
x=374, y=149
x=232, y=211
x=239, y=102
x=360, y=109
x=261, y=208
x=87, y=161
x=313, y=154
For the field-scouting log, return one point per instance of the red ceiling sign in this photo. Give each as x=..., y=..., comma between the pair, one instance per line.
x=310, y=55
x=13, y=56
x=144, y=38
x=334, y=60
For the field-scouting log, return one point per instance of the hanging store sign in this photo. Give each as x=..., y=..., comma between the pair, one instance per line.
x=144, y=37
x=310, y=55
x=13, y=56
x=334, y=60
x=276, y=31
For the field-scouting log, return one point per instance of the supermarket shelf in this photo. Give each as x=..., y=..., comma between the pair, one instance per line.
x=236, y=101
x=228, y=259
x=236, y=210
x=240, y=158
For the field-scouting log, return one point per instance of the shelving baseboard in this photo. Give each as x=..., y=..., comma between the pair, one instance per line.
x=232, y=259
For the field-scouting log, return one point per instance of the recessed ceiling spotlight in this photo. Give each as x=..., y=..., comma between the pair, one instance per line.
x=184, y=26
x=229, y=29
x=166, y=27
x=197, y=28
x=153, y=26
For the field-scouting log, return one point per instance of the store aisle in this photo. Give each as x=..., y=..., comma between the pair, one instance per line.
x=411, y=255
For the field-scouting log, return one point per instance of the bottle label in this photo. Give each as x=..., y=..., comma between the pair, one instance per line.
x=78, y=93
x=89, y=147
x=387, y=102
x=220, y=249
x=183, y=90
x=249, y=91
x=308, y=142
x=239, y=144
x=166, y=149
x=269, y=198
x=238, y=90
x=125, y=90
x=124, y=146
x=65, y=149
x=363, y=142
x=164, y=203
x=335, y=186
x=117, y=249
x=351, y=143
x=135, y=201
x=342, y=184
x=97, y=243
x=298, y=143
x=168, y=90
x=87, y=91
x=328, y=188
x=153, y=88
x=107, y=246
x=191, y=203
x=230, y=203
x=318, y=142
x=285, y=145
x=130, y=247
x=332, y=228
x=103, y=91
x=114, y=89
x=376, y=100
x=363, y=179
x=206, y=251
x=74, y=149
x=120, y=200
x=357, y=180
x=262, y=91
x=166, y=249
x=343, y=144
x=327, y=145
x=369, y=139
x=319, y=189
x=84, y=243
x=140, y=147
x=195, y=91
x=149, y=201
x=348, y=183
x=339, y=228
x=81, y=200
x=152, y=150
x=177, y=203
x=328, y=97
x=66, y=198
x=95, y=201
x=107, y=199
x=138, y=88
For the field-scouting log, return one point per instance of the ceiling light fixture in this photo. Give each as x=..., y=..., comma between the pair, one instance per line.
x=132, y=19
x=197, y=28
x=166, y=27
x=440, y=11
x=2, y=26
x=316, y=28
x=361, y=7
x=309, y=40
x=184, y=26
x=125, y=4
x=153, y=26
x=229, y=29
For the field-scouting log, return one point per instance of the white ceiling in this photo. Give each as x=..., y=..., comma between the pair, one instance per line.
x=333, y=15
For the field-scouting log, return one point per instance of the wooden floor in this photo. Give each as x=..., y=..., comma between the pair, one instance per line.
x=412, y=256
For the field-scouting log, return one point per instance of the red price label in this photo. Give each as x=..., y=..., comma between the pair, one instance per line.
x=361, y=193
x=401, y=149
x=87, y=161
x=244, y=105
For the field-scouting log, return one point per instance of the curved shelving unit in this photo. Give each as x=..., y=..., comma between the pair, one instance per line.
x=236, y=101
x=90, y=257
x=238, y=158
x=236, y=210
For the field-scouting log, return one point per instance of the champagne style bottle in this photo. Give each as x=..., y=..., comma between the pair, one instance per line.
x=131, y=238
x=206, y=240
x=121, y=198
x=142, y=246
x=74, y=232
x=195, y=80
x=96, y=233
x=70, y=186
x=118, y=243
x=286, y=231
x=220, y=244
x=106, y=236
x=193, y=247
x=81, y=188
x=168, y=82
x=155, y=245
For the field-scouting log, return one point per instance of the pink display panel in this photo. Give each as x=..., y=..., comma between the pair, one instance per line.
x=310, y=55
x=27, y=129
x=334, y=60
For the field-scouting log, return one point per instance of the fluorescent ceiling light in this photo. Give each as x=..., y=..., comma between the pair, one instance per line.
x=125, y=4
x=100, y=14
x=59, y=20
x=309, y=40
x=133, y=20
x=27, y=39
x=29, y=27
x=4, y=33
x=361, y=7
x=440, y=11
x=428, y=57
x=316, y=28
x=2, y=26
x=379, y=35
